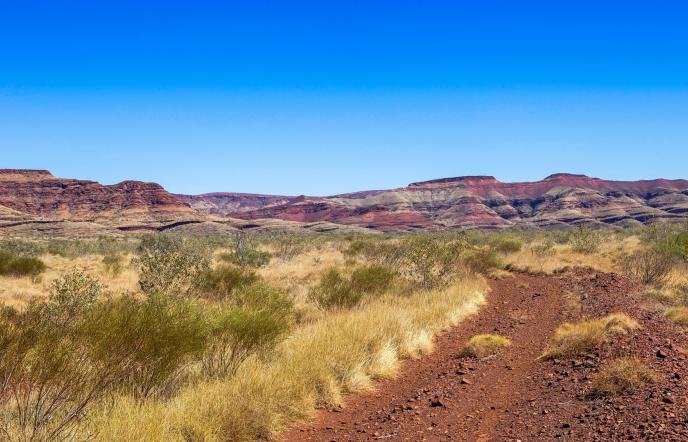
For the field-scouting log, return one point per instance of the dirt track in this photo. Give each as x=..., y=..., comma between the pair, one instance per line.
x=512, y=396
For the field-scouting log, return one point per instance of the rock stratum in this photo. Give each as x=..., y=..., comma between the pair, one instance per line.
x=38, y=197
x=37, y=203
x=38, y=193
x=469, y=202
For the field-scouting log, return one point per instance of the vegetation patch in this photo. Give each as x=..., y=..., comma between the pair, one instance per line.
x=335, y=290
x=169, y=264
x=571, y=339
x=221, y=282
x=507, y=245
x=649, y=266
x=372, y=279
x=678, y=315
x=584, y=240
x=14, y=265
x=481, y=346
x=621, y=376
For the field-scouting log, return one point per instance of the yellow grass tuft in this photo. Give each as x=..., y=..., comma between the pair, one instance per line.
x=481, y=346
x=574, y=338
x=678, y=315
x=620, y=376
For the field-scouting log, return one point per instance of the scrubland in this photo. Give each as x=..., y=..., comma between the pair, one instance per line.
x=190, y=338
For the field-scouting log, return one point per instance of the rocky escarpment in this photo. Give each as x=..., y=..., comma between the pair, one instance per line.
x=37, y=193
x=464, y=202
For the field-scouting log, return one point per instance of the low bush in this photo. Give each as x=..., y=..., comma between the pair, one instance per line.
x=431, y=259
x=372, y=279
x=244, y=252
x=584, y=240
x=72, y=295
x=428, y=260
x=481, y=346
x=152, y=338
x=219, y=283
x=252, y=322
x=678, y=315
x=14, y=265
x=169, y=265
x=649, y=266
x=334, y=291
x=675, y=245
x=482, y=261
x=337, y=291
x=573, y=338
x=620, y=376
x=507, y=245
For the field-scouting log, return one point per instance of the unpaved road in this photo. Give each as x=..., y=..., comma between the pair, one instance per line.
x=513, y=396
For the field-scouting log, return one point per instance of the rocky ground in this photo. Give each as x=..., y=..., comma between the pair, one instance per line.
x=513, y=395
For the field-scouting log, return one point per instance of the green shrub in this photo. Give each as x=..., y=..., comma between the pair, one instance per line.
x=372, y=279
x=48, y=379
x=431, y=259
x=169, y=265
x=220, y=282
x=244, y=252
x=58, y=357
x=152, y=339
x=584, y=240
x=50, y=370
x=334, y=291
x=13, y=265
x=675, y=245
x=507, y=245
x=252, y=322
x=649, y=266
x=482, y=260
x=72, y=295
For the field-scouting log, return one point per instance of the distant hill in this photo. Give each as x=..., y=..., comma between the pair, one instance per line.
x=469, y=202
x=39, y=193
x=38, y=197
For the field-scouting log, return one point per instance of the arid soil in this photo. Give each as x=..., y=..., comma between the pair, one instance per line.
x=514, y=396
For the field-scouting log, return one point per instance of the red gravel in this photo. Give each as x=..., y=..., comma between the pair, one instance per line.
x=512, y=396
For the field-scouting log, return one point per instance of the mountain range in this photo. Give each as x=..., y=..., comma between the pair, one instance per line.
x=37, y=197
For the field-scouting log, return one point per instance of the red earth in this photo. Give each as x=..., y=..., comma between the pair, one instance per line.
x=513, y=395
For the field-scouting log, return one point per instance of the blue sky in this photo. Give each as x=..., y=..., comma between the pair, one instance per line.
x=319, y=97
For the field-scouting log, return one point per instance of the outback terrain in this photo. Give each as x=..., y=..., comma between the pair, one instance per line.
x=128, y=313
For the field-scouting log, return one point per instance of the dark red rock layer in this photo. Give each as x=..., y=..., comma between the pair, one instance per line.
x=42, y=194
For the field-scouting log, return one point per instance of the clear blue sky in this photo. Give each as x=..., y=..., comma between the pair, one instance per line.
x=324, y=97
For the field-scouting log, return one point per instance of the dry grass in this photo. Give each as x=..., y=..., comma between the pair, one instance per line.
x=560, y=257
x=17, y=292
x=573, y=338
x=678, y=315
x=620, y=376
x=481, y=346
x=341, y=353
